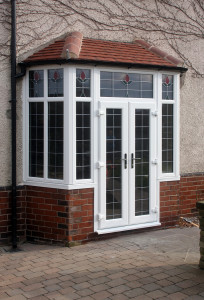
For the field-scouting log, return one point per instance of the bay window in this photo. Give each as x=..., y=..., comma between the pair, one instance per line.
x=62, y=120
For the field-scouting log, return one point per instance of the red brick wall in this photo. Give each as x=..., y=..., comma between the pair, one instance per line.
x=178, y=198
x=68, y=216
x=59, y=215
x=5, y=214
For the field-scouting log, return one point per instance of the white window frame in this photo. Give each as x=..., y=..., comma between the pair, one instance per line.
x=175, y=175
x=70, y=99
x=91, y=101
x=40, y=181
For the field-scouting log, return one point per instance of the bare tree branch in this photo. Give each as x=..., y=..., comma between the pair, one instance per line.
x=177, y=22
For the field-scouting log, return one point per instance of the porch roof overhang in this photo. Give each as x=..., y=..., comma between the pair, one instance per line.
x=77, y=49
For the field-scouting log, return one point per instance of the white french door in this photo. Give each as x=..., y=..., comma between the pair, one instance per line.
x=127, y=165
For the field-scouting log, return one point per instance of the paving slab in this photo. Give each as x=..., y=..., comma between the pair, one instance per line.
x=160, y=264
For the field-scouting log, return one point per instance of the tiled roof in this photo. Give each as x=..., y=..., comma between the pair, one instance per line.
x=76, y=48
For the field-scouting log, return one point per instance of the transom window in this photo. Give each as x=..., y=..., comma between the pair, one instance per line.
x=83, y=82
x=132, y=85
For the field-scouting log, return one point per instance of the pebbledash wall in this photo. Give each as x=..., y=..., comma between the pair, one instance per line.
x=59, y=215
x=66, y=216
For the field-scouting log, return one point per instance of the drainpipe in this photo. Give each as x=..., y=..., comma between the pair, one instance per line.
x=13, y=122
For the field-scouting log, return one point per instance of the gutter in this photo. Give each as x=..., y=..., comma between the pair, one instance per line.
x=102, y=63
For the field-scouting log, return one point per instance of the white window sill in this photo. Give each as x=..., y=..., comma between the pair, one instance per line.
x=170, y=177
x=60, y=185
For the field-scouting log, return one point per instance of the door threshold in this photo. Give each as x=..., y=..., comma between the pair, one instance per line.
x=126, y=228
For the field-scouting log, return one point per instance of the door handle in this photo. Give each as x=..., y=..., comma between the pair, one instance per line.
x=134, y=159
x=125, y=160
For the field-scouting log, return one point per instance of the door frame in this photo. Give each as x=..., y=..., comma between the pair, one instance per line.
x=128, y=222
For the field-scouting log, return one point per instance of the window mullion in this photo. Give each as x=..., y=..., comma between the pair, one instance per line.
x=46, y=140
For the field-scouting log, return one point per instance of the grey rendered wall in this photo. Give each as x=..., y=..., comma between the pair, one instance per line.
x=35, y=31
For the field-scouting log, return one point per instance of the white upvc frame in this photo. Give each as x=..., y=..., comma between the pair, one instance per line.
x=175, y=175
x=89, y=100
x=102, y=226
x=69, y=99
x=44, y=181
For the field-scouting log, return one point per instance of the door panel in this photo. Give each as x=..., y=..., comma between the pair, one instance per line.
x=113, y=187
x=142, y=174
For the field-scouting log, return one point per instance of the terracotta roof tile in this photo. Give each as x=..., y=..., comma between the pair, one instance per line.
x=84, y=49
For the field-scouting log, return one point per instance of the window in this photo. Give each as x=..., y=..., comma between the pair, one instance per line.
x=36, y=84
x=167, y=138
x=46, y=124
x=83, y=140
x=132, y=85
x=36, y=139
x=168, y=124
x=55, y=140
x=55, y=83
x=167, y=87
x=83, y=83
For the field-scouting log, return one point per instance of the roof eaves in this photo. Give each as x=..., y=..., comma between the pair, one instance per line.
x=102, y=62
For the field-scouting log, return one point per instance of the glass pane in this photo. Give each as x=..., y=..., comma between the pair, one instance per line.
x=167, y=138
x=36, y=139
x=83, y=83
x=167, y=87
x=132, y=85
x=55, y=83
x=55, y=140
x=142, y=162
x=36, y=83
x=113, y=164
x=83, y=140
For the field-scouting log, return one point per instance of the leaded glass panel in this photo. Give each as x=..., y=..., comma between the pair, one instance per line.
x=83, y=140
x=167, y=138
x=36, y=83
x=167, y=87
x=55, y=140
x=142, y=137
x=55, y=83
x=83, y=83
x=113, y=164
x=36, y=139
x=126, y=85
